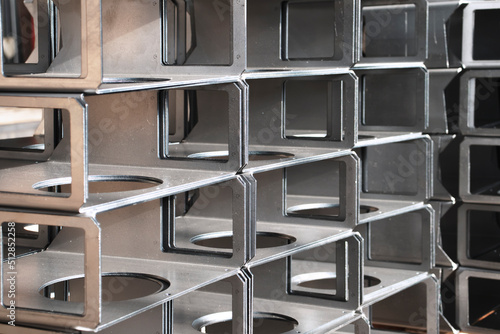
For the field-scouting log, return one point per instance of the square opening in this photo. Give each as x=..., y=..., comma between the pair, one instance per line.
x=483, y=235
x=301, y=20
x=316, y=190
x=30, y=238
x=315, y=272
x=23, y=129
x=392, y=169
x=64, y=281
x=486, y=29
x=197, y=32
x=484, y=295
x=313, y=109
x=199, y=222
x=39, y=38
x=404, y=312
x=179, y=33
x=301, y=33
x=484, y=170
x=24, y=27
x=62, y=185
x=390, y=31
x=64, y=131
x=215, y=304
x=390, y=99
x=19, y=36
x=397, y=239
x=191, y=121
x=486, y=108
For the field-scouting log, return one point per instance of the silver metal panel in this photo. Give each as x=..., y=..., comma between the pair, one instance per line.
x=93, y=52
x=406, y=241
x=394, y=31
x=279, y=34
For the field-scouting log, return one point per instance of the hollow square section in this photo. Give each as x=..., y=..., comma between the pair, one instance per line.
x=309, y=30
x=197, y=32
x=314, y=272
x=30, y=294
x=30, y=133
x=313, y=109
x=199, y=221
x=22, y=129
x=191, y=119
x=219, y=319
x=486, y=103
x=390, y=31
x=486, y=29
x=392, y=168
x=28, y=237
x=315, y=190
x=22, y=35
x=484, y=235
x=483, y=303
x=484, y=170
x=42, y=38
x=397, y=239
x=389, y=99
x=404, y=312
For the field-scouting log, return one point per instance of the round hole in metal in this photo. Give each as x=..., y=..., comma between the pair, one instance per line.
x=328, y=281
x=308, y=135
x=252, y=155
x=370, y=281
x=115, y=287
x=367, y=209
x=263, y=323
x=38, y=147
x=315, y=209
x=100, y=184
x=267, y=155
x=324, y=209
x=224, y=240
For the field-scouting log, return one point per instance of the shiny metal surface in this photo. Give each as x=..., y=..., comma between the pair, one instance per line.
x=409, y=94
x=394, y=31
x=93, y=54
x=243, y=167
x=279, y=34
x=405, y=241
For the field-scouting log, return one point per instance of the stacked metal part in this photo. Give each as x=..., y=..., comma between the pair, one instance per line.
x=474, y=221
x=225, y=166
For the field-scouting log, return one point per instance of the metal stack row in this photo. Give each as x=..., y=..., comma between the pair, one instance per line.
x=227, y=166
x=473, y=222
